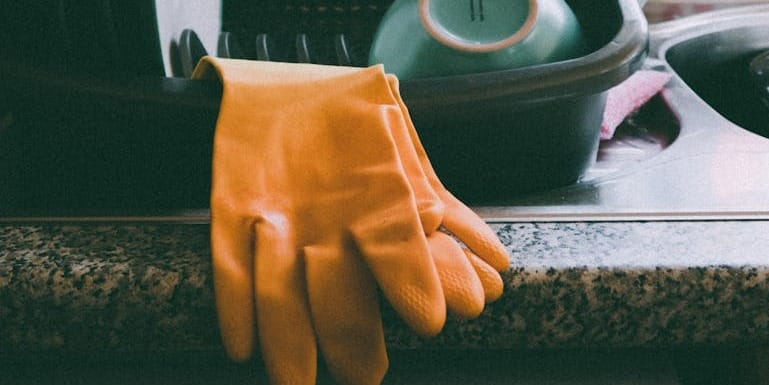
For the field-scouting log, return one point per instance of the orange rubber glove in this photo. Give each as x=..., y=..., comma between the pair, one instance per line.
x=465, y=285
x=310, y=209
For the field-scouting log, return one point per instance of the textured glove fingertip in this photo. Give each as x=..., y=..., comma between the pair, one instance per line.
x=492, y=283
x=424, y=312
x=497, y=255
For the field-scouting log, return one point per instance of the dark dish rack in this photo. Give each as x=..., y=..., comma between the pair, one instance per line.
x=81, y=137
x=321, y=22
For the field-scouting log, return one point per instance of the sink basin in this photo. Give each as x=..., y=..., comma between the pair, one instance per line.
x=708, y=125
x=715, y=63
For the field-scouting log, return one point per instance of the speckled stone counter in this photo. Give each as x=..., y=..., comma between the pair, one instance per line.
x=141, y=287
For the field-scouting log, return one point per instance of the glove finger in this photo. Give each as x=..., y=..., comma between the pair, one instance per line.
x=489, y=277
x=286, y=336
x=458, y=218
x=469, y=228
x=394, y=247
x=345, y=312
x=232, y=257
x=462, y=287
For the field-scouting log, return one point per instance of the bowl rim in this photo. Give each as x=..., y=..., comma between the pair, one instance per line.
x=439, y=33
x=593, y=73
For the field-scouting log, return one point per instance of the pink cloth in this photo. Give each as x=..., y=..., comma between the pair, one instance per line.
x=629, y=96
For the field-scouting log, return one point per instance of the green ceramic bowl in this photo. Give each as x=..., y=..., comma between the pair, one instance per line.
x=427, y=38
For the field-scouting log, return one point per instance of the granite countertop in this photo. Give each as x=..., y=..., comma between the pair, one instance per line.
x=133, y=287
